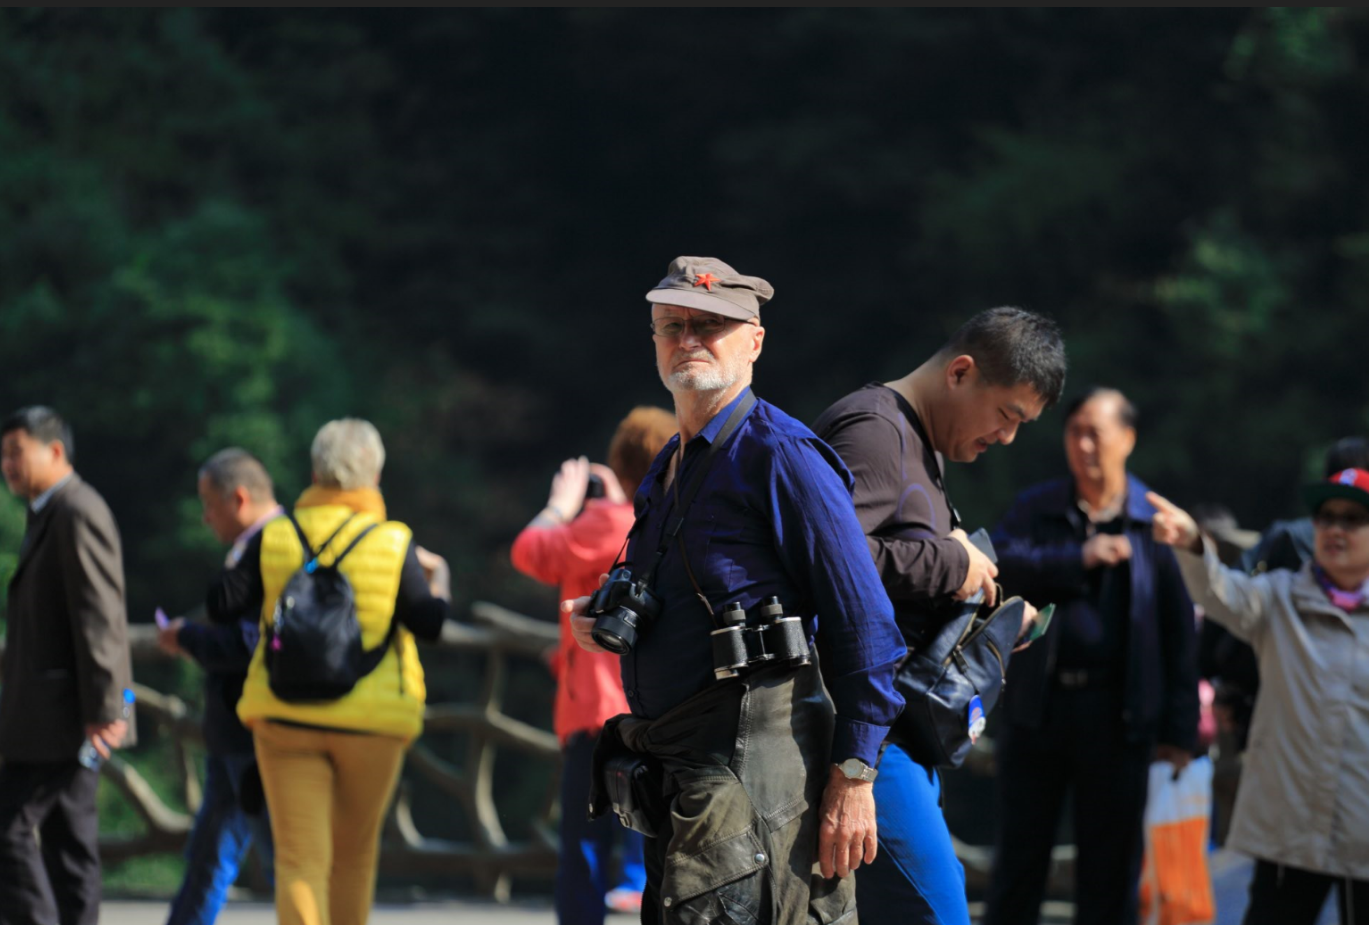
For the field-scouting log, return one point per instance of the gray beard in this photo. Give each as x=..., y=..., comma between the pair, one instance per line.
x=711, y=380
x=715, y=378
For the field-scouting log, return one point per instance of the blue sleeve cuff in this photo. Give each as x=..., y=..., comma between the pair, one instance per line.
x=191, y=637
x=854, y=739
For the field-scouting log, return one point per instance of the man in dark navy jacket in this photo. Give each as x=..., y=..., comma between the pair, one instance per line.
x=238, y=500
x=1113, y=687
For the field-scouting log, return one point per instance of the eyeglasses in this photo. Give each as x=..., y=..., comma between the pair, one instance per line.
x=1347, y=522
x=703, y=328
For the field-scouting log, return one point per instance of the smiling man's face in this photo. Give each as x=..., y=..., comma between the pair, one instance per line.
x=978, y=415
x=1097, y=443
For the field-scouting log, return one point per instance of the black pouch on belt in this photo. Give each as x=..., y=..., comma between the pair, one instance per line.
x=634, y=789
x=628, y=782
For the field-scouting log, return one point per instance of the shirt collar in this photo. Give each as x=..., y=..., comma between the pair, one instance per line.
x=1101, y=515
x=1345, y=600
x=38, y=503
x=245, y=537
x=715, y=423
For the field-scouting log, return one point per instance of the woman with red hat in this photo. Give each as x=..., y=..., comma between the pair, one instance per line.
x=1303, y=807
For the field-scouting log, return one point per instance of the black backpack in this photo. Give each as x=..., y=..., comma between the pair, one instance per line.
x=313, y=640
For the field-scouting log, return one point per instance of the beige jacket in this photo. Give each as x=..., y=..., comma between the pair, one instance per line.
x=1304, y=795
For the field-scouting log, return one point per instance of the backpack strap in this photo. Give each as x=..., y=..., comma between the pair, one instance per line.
x=350, y=546
x=370, y=658
x=310, y=554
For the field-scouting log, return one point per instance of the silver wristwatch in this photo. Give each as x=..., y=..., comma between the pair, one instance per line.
x=855, y=769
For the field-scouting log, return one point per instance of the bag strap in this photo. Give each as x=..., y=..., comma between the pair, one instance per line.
x=733, y=422
x=936, y=472
x=370, y=658
x=352, y=545
x=310, y=554
x=682, y=504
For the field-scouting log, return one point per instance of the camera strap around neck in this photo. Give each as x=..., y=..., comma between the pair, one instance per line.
x=683, y=501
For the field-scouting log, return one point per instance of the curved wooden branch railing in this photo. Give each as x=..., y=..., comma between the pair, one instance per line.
x=490, y=859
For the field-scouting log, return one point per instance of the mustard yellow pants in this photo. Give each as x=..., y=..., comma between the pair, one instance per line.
x=327, y=793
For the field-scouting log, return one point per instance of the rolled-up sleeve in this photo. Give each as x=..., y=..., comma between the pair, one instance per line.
x=822, y=545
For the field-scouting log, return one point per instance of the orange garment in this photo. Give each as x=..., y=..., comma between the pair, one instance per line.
x=589, y=686
x=361, y=500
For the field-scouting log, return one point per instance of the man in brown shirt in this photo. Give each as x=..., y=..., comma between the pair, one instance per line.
x=66, y=665
x=1001, y=369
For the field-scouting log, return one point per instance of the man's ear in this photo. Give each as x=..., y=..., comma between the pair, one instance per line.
x=960, y=371
x=241, y=498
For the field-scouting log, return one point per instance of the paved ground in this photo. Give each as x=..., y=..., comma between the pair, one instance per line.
x=446, y=913
x=1230, y=879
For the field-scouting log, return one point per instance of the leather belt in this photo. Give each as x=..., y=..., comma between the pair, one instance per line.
x=1074, y=679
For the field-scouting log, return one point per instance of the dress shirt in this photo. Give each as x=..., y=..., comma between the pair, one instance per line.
x=38, y=503
x=773, y=516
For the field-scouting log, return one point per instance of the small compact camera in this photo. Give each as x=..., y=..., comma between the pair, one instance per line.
x=620, y=608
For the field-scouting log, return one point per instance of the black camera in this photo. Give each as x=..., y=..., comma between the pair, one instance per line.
x=619, y=609
x=594, y=487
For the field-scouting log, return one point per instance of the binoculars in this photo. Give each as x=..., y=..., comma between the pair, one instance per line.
x=771, y=639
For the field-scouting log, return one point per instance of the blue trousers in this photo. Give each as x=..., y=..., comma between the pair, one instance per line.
x=916, y=877
x=218, y=843
x=582, y=875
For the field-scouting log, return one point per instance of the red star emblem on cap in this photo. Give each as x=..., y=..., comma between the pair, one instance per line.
x=706, y=280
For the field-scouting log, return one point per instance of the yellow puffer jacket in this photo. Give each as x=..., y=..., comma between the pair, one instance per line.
x=389, y=700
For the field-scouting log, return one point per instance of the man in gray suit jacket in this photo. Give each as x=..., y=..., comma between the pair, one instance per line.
x=66, y=665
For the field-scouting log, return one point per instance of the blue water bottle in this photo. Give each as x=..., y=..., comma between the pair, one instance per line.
x=88, y=756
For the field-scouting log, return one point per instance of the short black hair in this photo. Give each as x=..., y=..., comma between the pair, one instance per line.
x=1012, y=346
x=43, y=424
x=233, y=468
x=1347, y=453
x=1126, y=411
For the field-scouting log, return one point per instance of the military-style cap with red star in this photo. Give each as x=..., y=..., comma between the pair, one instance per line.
x=708, y=284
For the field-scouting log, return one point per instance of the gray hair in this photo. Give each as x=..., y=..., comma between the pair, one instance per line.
x=235, y=468
x=347, y=453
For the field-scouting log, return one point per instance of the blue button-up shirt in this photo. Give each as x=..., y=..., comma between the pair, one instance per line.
x=772, y=517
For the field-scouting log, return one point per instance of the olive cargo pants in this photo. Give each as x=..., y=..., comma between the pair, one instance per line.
x=743, y=767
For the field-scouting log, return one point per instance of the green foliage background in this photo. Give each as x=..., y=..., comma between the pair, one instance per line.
x=226, y=227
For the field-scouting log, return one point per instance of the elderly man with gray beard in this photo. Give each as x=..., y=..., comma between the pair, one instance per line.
x=756, y=785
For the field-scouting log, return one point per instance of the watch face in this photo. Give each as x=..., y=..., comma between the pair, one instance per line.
x=855, y=769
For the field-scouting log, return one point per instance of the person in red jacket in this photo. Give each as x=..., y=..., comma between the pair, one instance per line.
x=570, y=543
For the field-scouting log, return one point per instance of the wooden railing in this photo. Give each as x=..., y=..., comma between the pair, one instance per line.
x=489, y=859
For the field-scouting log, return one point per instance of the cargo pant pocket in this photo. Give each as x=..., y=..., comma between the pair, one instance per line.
x=715, y=867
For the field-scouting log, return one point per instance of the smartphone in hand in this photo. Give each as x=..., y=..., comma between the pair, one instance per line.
x=1038, y=625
